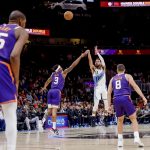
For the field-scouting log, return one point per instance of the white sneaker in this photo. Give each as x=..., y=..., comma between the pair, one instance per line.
x=120, y=142
x=138, y=142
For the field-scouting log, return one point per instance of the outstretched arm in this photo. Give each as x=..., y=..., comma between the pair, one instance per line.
x=91, y=62
x=47, y=82
x=75, y=63
x=100, y=57
x=136, y=88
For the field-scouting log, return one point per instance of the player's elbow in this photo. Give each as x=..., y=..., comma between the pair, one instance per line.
x=14, y=58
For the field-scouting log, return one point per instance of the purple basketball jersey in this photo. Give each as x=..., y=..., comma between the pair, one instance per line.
x=57, y=81
x=7, y=83
x=120, y=85
x=7, y=41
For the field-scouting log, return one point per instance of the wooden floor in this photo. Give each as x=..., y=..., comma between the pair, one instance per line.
x=96, y=138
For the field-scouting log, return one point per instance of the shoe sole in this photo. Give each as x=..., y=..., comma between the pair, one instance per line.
x=136, y=143
x=120, y=146
x=54, y=134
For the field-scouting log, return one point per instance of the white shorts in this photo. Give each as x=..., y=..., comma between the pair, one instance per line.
x=53, y=106
x=100, y=94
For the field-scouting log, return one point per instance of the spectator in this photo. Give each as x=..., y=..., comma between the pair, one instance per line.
x=2, y=121
x=32, y=117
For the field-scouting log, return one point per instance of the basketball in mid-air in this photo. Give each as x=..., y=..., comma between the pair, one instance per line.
x=68, y=15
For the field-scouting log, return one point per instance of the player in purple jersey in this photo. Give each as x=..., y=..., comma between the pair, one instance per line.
x=12, y=39
x=57, y=80
x=120, y=86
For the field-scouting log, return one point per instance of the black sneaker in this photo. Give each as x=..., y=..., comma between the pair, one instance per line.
x=55, y=131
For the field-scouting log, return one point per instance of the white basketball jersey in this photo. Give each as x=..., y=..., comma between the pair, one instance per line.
x=99, y=77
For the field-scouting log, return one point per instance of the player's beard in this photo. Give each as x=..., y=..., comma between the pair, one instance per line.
x=98, y=66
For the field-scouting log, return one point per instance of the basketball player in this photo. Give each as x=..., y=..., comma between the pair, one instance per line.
x=120, y=86
x=57, y=80
x=99, y=76
x=12, y=39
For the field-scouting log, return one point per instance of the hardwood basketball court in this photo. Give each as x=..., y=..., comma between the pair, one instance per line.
x=93, y=138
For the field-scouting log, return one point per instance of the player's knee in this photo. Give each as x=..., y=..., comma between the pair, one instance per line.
x=54, y=116
x=133, y=117
x=120, y=119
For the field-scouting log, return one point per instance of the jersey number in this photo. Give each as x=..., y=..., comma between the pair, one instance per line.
x=2, y=41
x=118, y=84
x=56, y=80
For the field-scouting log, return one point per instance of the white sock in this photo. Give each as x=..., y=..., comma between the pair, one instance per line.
x=120, y=136
x=11, y=124
x=136, y=134
x=54, y=125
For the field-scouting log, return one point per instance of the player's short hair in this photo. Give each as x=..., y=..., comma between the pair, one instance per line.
x=54, y=67
x=121, y=67
x=97, y=58
x=15, y=15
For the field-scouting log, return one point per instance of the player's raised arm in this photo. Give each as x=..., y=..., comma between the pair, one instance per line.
x=109, y=92
x=136, y=87
x=101, y=58
x=22, y=37
x=91, y=62
x=47, y=83
x=75, y=63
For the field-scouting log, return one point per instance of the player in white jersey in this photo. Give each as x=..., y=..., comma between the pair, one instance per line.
x=99, y=76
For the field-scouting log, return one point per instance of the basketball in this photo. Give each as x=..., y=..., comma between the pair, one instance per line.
x=68, y=15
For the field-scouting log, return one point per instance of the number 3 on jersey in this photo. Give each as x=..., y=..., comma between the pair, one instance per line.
x=2, y=41
x=118, y=84
x=56, y=80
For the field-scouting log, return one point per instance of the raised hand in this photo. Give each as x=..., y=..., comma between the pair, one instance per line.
x=85, y=53
x=96, y=50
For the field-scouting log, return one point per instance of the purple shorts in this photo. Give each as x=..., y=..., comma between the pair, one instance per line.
x=123, y=106
x=7, y=86
x=54, y=97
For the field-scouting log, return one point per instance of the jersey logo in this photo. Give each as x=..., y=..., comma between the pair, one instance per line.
x=98, y=77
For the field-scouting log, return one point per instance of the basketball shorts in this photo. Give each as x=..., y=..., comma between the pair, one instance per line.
x=54, y=97
x=7, y=84
x=100, y=94
x=123, y=105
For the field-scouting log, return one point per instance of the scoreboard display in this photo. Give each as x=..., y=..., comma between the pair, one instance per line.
x=124, y=3
x=123, y=52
